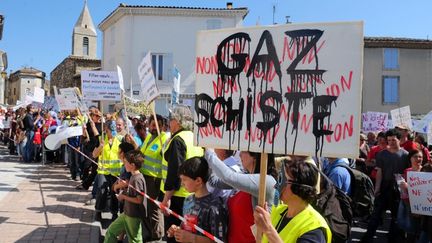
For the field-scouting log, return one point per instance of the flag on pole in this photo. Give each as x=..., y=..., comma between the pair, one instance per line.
x=176, y=86
x=120, y=77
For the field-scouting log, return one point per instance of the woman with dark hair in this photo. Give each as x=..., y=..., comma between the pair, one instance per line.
x=244, y=197
x=295, y=220
x=405, y=219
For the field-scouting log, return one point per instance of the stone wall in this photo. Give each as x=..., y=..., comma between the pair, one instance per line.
x=67, y=73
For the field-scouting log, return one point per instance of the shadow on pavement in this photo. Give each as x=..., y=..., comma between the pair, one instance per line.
x=63, y=233
x=83, y=214
x=68, y=197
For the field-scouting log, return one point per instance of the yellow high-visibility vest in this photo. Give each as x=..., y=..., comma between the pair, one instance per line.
x=307, y=220
x=153, y=155
x=191, y=151
x=111, y=163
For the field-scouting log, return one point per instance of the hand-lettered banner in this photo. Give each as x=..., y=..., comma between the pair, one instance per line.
x=280, y=89
x=147, y=78
x=100, y=85
x=402, y=117
x=420, y=192
x=374, y=121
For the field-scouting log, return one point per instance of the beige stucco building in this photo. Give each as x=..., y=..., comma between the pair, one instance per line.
x=169, y=33
x=23, y=82
x=397, y=72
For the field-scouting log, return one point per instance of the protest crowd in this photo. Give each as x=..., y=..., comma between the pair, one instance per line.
x=308, y=199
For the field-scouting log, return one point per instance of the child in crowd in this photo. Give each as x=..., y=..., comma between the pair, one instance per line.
x=134, y=211
x=204, y=209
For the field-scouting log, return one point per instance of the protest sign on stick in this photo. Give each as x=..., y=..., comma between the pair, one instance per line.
x=285, y=89
x=402, y=117
x=100, y=85
x=121, y=84
x=374, y=121
x=147, y=78
x=38, y=95
x=297, y=86
x=420, y=192
x=148, y=84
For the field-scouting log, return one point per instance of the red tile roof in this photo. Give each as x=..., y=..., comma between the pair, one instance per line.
x=391, y=42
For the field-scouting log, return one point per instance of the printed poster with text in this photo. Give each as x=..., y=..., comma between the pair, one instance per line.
x=100, y=85
x=285, y=89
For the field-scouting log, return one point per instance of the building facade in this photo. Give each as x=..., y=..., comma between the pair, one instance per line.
x=84, y=48
x=23, y=82
x=169, y=33
x=397, y=72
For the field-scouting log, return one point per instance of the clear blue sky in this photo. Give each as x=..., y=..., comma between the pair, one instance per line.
x=38, y=33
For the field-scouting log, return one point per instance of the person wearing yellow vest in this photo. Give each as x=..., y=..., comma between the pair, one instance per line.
x=179, y=148
x=152, y=171
x=109, y=166
x=295, y=220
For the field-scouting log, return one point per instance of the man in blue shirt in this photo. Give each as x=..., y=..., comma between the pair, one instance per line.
x=338, y=174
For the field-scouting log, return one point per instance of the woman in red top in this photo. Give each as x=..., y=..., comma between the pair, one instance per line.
x=406, y=220
x=244, y=197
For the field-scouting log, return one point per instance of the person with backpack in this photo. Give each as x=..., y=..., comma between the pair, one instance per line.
x=295, y=220
x=337, y=172
x=391, y=161
x=354, y=183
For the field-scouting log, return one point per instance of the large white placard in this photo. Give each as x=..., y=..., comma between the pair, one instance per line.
x=148, y=83
x=65, y=103
x=401, y=116
x=280, y=89
x=420, y=192
x=38, y=95
x=72, y=95
x=100, y=85
x=374, y=121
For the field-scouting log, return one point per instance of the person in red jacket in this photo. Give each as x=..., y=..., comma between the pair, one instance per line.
x=406, y=141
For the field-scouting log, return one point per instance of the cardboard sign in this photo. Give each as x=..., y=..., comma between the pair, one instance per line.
x=73, y=95
x=285, y=89
x=420, y=192
x=374, y=121
x=38, y=95
x=64, y=102
x=401, y=117
x=100, y=85
x=148, y=81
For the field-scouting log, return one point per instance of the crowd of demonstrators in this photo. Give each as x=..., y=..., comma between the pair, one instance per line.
x=217, y=189
x=396, y=153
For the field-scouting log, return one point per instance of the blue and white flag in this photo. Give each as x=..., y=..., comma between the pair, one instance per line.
x=176, y=86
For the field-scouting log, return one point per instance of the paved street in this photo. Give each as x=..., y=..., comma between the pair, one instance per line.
x=40, y=204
